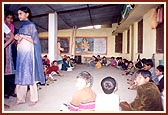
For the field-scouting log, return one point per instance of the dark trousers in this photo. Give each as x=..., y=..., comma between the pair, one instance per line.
x=9, y=84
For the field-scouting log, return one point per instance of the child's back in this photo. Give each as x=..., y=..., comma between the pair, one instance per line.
x=84, y=98
x=108, y=101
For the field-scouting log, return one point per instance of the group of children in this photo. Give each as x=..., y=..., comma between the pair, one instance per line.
x=85, y=99
x=157, y=75
x=148, y=82
x=98, y=62
x=130, y=68
x=68, y=63
x=118, y=62
x=148, y=96
x=52, y=70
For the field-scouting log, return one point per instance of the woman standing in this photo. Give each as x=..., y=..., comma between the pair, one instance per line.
x=29, y=69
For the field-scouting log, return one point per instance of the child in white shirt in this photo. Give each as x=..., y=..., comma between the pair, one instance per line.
x=107, y=101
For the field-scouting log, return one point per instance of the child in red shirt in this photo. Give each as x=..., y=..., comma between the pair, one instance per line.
x=53, y=70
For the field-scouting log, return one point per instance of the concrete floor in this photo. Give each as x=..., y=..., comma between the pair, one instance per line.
x=51, y=97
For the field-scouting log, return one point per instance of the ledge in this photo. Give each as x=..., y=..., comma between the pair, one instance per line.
x=134, y=15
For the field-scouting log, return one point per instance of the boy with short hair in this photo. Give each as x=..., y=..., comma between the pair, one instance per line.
x=160, y=76
x=148, y=65
x=52, y=71
x=108, y=101
x=148, y=97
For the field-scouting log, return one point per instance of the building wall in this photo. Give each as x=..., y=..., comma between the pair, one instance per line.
x=149, y=39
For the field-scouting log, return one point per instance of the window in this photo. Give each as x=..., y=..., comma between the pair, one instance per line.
x=160, y=38
x=118, y=43
x=140, y=36
x=128, y=41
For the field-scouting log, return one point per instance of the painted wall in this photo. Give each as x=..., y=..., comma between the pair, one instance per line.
x=149, y=39
x=104, y=32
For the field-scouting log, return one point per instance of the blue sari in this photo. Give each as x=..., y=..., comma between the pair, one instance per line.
x=29, y=68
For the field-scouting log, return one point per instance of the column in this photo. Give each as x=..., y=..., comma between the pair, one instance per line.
x=52, y=36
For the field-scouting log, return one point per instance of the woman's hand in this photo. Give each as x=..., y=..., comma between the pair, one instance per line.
x=28, y=38
x=18, y=38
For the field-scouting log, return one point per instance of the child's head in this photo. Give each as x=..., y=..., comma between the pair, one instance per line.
x=108, y=85
x=98, y=56
x=84, y=79
x=9, y=16
x=139, y=65
x=94, y=58
x=120, y=59
x=65, y=56
x=142, y=77
x=112, y=58
x=117, y=58
x=130, y=63
x=159, y=70
x=143, y=60
x=68, y=58
x=148, y=64
x=45, y=57
x=55, y=63
x=126, y=62
x=104, y=57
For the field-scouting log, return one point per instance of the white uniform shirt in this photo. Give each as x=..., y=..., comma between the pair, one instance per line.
x=107, y=103
x=160, y=77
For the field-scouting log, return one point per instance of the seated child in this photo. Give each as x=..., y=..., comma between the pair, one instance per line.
x=70, y=68
x=98, y=64
x=104, y=61
x=113, y=62
x=131, y=69
x=125, y=65
x=98, y=57
x=148, y=97
x=73, y=62
x=84, y=98
x=119, y=63
x=92, y=62
x=159, y=72
x=131, y=80
x=148, y=65
x=45, y=60
x=53, y=70
x=64, y=65
x=107, y=101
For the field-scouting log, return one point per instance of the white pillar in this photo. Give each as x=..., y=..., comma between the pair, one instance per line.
x=52, y=36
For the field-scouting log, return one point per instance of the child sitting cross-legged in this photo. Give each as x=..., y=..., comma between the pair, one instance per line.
x=52, y=71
